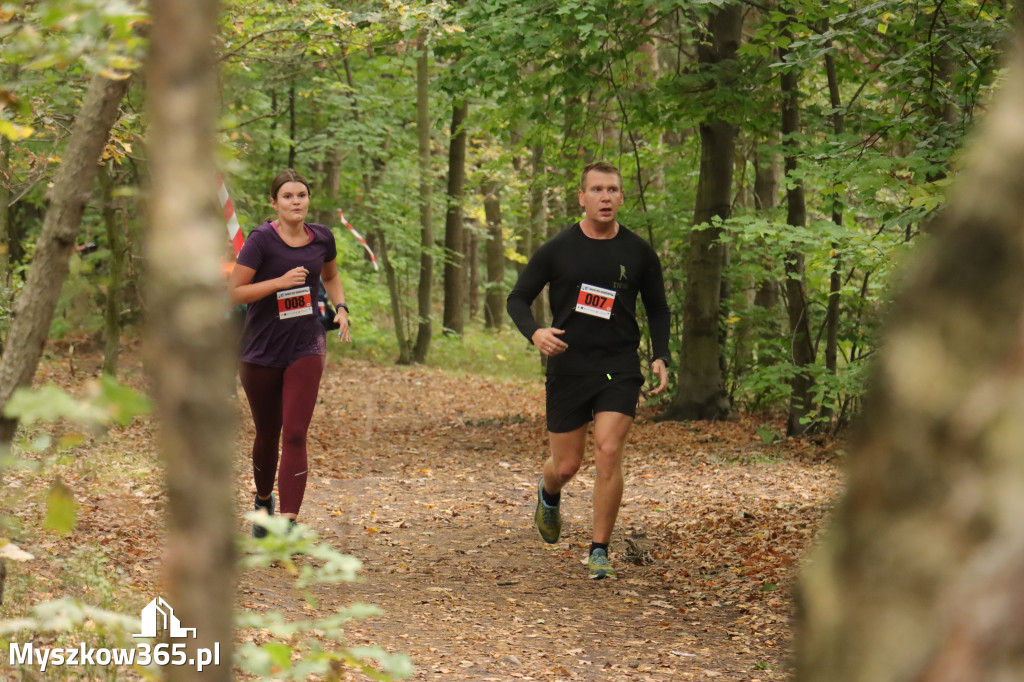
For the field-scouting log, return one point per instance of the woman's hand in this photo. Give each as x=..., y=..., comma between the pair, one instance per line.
x=341, y=319
x=295, y=277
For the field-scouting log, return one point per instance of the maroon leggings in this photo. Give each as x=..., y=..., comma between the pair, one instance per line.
x=282, y=399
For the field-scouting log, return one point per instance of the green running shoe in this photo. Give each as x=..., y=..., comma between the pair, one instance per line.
x=547, y=518
x=599, y=565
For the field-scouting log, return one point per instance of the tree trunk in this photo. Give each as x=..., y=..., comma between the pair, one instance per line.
x=370, y=179
x=271, y=150
x=189, y=353
x=454, y=237
x=115, y=272
x=836, y=277
x=473, y=281
x=5, y=217
x=701, y=393
x=293, y=142
x=423, y=331
x=34, y=308
x=6, y=281
x=802, y=350
x=767, y=296
x=919, y=576
x=330, y=186
x=404, y=356
x=538, y=229
x=494, y=306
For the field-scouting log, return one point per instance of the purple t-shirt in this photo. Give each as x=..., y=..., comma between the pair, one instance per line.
x=283, y=327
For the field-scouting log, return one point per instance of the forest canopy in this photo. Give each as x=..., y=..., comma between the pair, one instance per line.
x=780, y=159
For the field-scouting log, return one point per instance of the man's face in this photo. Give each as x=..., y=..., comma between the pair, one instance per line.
x=602, y=197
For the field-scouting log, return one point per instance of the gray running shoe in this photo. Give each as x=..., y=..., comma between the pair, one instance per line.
x=599, y=565
x=547, y=518
x=259, y=531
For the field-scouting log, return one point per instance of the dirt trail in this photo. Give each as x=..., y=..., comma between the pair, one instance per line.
x=430, y=479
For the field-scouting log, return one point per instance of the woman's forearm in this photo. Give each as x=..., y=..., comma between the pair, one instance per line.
x=250, y=293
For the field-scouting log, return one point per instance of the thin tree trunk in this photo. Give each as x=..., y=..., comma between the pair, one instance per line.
x=6, y=282
x=836, y=277
x=473, y=282
x=293, y=142
x=5, y=213
x=701, y=393
x=537, y=232
x=380, y=243
x=34, y=308
x=115, y=271
x=455, y=256
x=767, y=296
x=271, y=150
x=424, y=331
x=188, y=349
x=802, y=350
x=572, y=152
x=330, y=185
x=404, y=355
x=494, y=306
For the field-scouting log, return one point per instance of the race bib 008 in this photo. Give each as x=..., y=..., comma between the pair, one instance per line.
x=294, y=302
x=595, y=301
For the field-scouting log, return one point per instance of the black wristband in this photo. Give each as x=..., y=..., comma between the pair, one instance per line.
x=663, y=358
x=338, y=306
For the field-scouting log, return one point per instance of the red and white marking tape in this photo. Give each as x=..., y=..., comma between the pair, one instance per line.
x=234, y=229
x=373, y=259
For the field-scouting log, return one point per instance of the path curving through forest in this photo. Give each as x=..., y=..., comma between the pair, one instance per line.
x=430, y=479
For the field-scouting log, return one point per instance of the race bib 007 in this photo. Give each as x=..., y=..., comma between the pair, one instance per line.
x=294, y=302
x=595, y=301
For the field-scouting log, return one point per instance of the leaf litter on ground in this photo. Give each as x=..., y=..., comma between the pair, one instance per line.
x=429, y=478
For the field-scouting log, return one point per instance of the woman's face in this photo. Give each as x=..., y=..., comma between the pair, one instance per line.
x=292, y=202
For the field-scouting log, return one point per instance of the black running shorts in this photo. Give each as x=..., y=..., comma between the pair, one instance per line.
x=573, y=400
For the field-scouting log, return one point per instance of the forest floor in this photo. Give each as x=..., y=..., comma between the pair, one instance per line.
x=429, y=478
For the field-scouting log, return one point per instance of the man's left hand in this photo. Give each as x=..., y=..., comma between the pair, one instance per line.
x=658, y=367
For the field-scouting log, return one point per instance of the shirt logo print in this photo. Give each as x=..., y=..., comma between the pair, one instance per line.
x=622, y=272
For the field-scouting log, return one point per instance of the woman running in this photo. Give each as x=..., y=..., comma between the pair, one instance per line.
x=284, y=346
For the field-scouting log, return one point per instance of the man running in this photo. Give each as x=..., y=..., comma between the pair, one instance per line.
x=595, y=269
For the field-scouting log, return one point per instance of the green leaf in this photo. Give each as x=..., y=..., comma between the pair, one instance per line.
x=48, y=404
x=280, y=654
x=13, y=131
x=61, y=508
x=121, y=402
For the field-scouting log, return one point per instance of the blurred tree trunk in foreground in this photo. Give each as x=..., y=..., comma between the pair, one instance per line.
x=188, y=350
x=921, y=575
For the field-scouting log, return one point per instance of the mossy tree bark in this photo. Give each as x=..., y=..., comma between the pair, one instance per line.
x=921, y=576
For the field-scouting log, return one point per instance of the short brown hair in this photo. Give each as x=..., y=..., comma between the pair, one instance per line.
x=600, y=167
x=286, y=176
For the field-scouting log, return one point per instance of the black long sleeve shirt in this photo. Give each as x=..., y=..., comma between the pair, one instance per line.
x=624, y=265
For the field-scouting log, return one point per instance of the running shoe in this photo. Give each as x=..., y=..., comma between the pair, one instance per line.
x=267, y=505
x=547, y=518
x=599, y=565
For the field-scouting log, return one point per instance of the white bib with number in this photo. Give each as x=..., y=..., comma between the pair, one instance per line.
x=595, y=301
x=294, y=302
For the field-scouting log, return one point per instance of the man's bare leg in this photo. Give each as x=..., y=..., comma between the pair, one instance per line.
x=610, y=431
x=565, y=459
